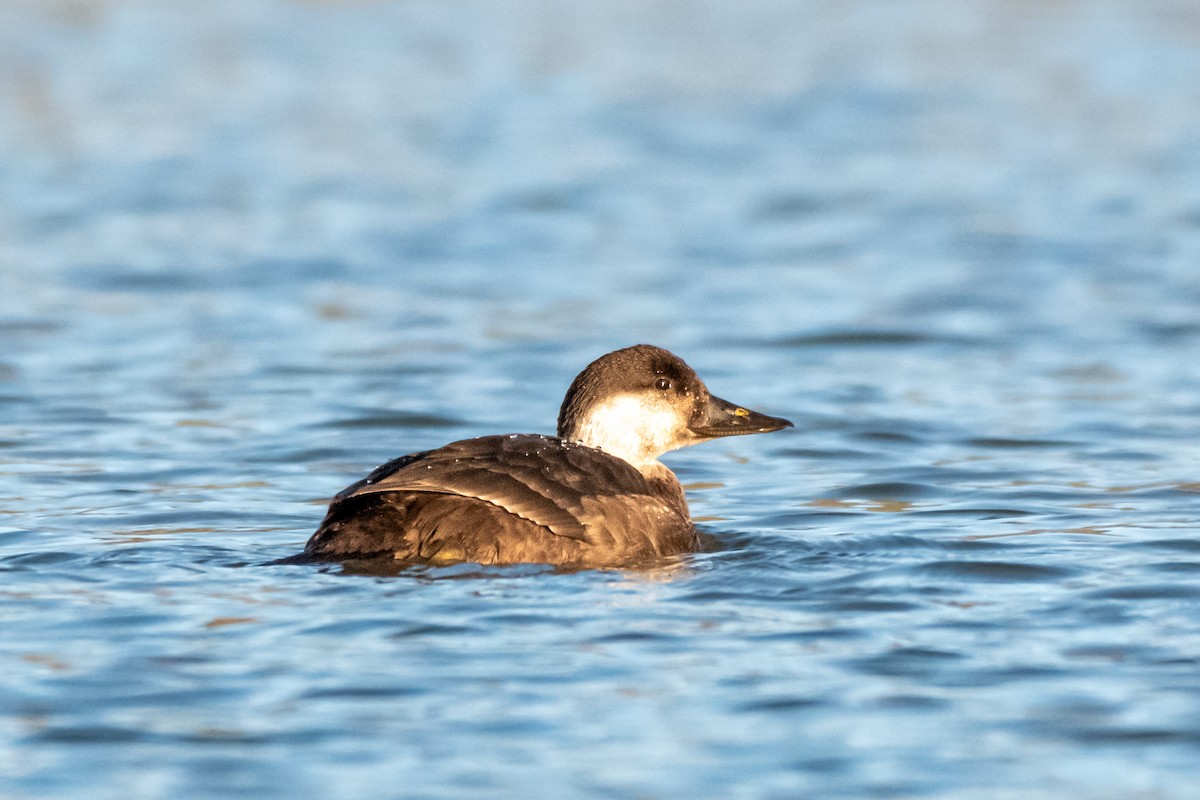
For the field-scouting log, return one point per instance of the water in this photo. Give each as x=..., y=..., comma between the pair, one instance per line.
x=247, y=254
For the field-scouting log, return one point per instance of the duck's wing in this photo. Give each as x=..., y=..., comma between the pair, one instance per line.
x=542, y=479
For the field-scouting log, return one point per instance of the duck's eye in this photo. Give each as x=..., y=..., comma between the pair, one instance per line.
x=662, y=384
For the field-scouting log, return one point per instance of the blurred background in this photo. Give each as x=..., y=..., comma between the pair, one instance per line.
x=653, y=167
x=204, y=192
x=250, y=249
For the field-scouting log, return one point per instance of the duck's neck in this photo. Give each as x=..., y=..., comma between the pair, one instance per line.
x=662, y=480
x=665, y=485
x=626, y=428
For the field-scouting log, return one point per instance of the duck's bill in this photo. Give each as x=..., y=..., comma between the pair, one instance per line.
x=723, y=418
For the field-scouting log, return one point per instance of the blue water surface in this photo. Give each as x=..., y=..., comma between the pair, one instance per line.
x=249, y=250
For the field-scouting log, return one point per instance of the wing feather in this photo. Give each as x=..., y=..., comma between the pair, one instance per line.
x=542, y=479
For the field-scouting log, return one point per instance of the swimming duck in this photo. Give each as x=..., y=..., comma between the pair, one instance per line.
x=594, y=495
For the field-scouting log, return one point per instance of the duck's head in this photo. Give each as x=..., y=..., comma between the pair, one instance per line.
x=642, y=401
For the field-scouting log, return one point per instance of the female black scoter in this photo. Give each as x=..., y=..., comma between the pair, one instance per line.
x=595, y=495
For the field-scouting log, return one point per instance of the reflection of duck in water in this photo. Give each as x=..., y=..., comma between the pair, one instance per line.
x=595, y=495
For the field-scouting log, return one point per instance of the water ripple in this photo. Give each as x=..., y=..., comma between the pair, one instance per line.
x=995, y=571
x=969, y=572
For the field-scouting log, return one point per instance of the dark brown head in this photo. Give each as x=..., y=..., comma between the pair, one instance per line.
x=642, y=401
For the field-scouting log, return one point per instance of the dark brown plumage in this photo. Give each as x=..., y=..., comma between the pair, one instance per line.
x=544, y=499
x=506, y=499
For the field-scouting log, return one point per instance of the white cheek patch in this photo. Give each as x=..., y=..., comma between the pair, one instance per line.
x=631, y=428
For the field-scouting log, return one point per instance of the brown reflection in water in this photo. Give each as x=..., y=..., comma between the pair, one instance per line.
x=890, y=506
x=651, y=571
x=45, y=660
x=221, y=622
x=1091, y=530
x=148, y=534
